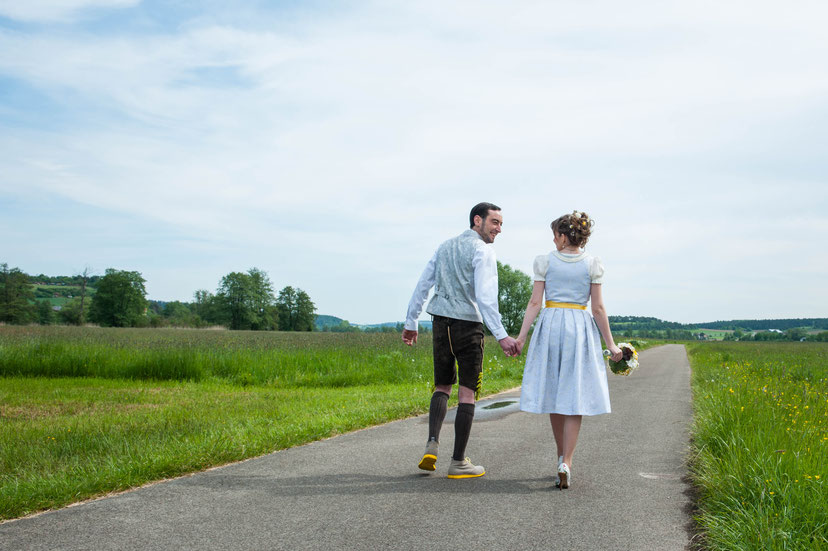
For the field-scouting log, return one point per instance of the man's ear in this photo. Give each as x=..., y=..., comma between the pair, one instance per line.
x=478, y=220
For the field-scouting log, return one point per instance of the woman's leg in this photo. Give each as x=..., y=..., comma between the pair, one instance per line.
x=557, y=421
x=571, y=428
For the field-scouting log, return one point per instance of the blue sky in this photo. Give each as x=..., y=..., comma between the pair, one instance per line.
x=336, y=144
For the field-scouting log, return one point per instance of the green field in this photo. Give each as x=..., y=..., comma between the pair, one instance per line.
x=713, y=334
x=760, y=438
x=58, y=295
x=86, y=411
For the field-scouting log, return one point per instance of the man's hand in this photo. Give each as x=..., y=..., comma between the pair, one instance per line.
x=510, y=346
x=409, y=337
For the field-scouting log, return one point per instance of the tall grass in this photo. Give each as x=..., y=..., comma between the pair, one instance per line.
x=761, y=444
x=85, y=411
x=275, y=359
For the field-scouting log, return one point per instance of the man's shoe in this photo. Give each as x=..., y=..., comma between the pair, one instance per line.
x=429, y=457
x=464, y=469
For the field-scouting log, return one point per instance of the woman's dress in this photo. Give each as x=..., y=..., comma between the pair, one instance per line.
x=565, y=371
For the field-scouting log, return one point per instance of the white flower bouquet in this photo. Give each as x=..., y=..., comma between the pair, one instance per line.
x=628, y=363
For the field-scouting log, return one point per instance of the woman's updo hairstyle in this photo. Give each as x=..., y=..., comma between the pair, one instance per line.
x=576, y=226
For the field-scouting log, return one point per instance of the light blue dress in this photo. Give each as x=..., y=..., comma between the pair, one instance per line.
x=565, y=371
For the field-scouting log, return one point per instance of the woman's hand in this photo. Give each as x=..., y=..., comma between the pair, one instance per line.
x=616, y=354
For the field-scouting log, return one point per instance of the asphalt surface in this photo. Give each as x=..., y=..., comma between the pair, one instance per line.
x=363, y=490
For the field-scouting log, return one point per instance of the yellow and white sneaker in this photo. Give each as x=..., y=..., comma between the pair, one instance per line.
x=429, y=457
x=464, y=469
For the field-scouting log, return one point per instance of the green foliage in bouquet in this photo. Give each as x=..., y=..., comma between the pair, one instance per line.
x=628, y=363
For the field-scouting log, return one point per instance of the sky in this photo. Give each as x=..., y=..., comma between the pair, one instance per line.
x=335, y=145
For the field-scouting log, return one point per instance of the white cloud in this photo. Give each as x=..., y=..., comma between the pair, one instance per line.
x=56, y=10
x=346, y=136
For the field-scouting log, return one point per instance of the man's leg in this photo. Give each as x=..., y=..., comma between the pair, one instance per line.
x=436, y=414
x=445, y=375
x=467, y=338
x=437, y=411
x=463, y=422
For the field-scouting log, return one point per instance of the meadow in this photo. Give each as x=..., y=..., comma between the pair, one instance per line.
x=760, y=440
x=88, y=411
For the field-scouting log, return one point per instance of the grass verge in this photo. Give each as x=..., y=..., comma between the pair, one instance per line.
x=64, y=439
x=760, y=437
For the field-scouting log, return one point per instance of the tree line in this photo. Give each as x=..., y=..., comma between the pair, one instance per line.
x=247, y=300
x=792, y=334
x=243, y=300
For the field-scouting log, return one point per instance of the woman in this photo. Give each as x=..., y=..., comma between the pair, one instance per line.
x=565, y=375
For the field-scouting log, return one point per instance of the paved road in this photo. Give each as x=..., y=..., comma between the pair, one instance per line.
x=363, y=490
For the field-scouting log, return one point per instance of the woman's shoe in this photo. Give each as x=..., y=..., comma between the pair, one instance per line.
x=564, y=475
x=557, y=476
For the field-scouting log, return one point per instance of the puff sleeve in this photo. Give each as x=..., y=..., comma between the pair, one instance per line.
x=540, y=266
x=596, y=271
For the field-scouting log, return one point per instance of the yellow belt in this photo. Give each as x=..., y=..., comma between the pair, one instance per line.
x=553, y=304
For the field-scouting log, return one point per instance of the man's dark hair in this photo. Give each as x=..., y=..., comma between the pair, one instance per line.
x=481, y=210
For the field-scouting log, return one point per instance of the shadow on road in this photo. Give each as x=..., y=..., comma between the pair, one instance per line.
x=366, y=484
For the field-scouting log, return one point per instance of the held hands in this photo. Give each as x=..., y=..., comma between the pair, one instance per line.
x=615, y=353
x=409, y=337
x=510, y=346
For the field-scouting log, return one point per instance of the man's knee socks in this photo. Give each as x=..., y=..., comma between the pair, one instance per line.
x=462, y=429
x=436, y=414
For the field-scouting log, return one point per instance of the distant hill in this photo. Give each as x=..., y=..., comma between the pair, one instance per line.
x=640, y=323
x=764, y=325
x=59, y=294
x=634, y=323
x=323, y=321
x=424, y=323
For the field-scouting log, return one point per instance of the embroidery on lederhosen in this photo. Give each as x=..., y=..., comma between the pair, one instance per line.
x=480, y=375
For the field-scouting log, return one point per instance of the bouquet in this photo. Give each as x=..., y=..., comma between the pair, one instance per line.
x=628, y=363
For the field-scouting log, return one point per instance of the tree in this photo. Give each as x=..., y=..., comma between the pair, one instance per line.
x=72, y=313
x=305, y=312
x=120, y=300
x=247, y=299
x=796, y=334
x=513, y=291
x=297, y=311
x=207, y=308
x=286, y=306
x=16, y=296
x=265, y=314
x=233, y=293
x=84, y=280
x=178, y=314
x=45, y=314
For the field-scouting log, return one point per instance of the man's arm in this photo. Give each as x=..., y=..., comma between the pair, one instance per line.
x=485, y=292
x=415, y=305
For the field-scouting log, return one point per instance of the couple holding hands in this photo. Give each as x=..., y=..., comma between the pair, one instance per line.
x=564, y=376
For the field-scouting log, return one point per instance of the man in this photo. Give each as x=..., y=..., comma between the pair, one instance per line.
x=463, y=273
